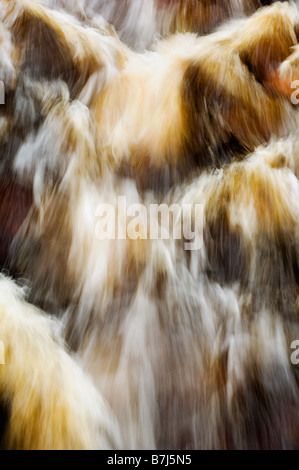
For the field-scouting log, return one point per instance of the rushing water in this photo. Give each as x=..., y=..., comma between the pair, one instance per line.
x=141, y=343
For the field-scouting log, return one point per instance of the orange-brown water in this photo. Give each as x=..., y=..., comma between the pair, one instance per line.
x=140, y=343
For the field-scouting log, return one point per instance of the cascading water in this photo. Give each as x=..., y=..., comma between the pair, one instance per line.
x=127, y=326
